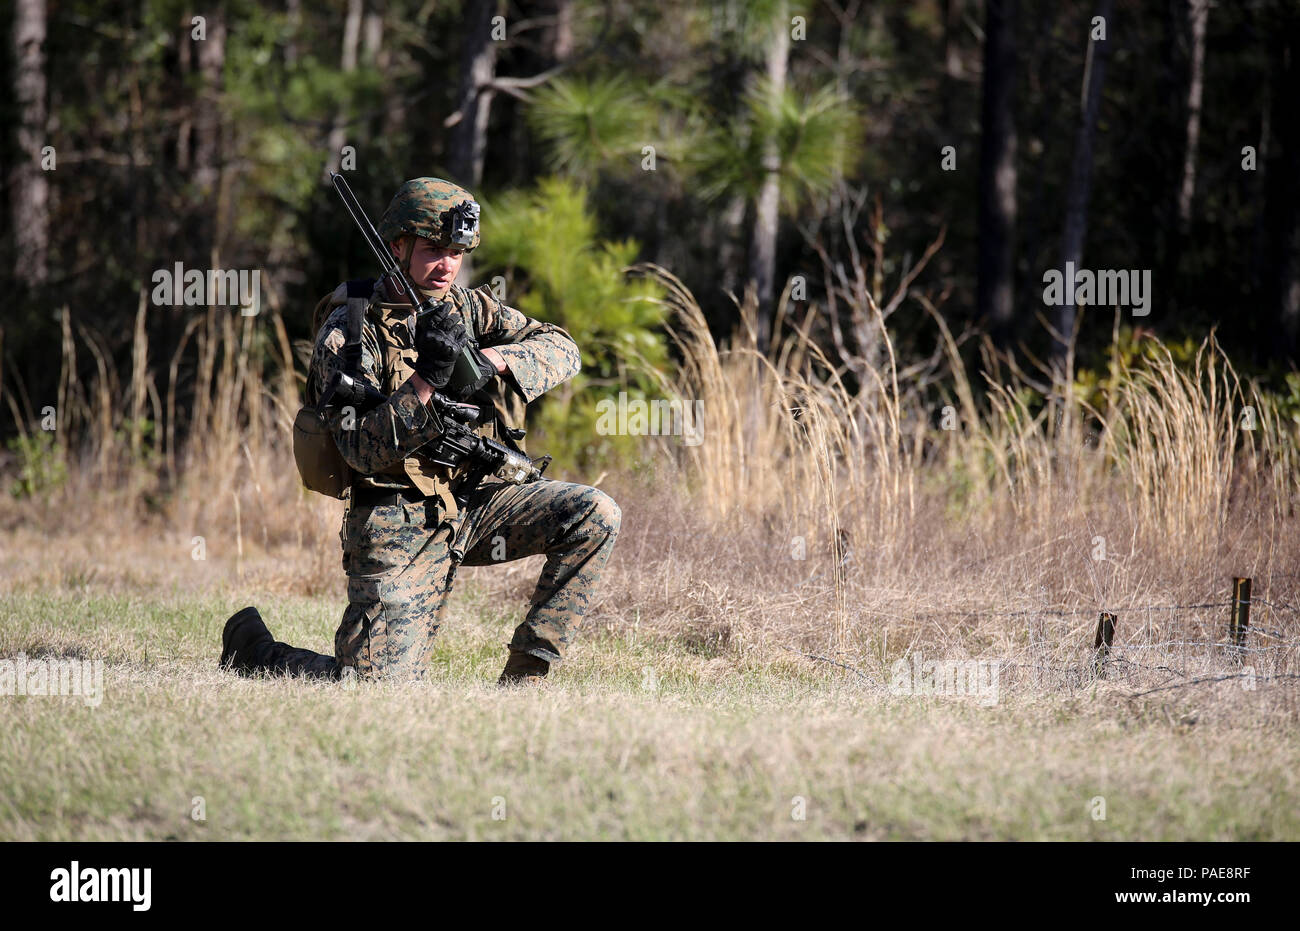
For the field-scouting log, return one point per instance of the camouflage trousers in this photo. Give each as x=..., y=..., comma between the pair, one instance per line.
x=400, y=572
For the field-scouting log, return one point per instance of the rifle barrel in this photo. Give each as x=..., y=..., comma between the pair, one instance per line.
x=386, y=260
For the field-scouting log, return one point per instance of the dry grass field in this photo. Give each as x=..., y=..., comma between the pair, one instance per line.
x=740, y=677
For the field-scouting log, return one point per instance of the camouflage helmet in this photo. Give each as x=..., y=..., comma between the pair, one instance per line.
x=437, y=210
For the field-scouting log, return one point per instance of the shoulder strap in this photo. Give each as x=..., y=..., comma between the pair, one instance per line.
x=359, y=292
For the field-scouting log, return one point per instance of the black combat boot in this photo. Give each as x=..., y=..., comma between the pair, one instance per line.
x=524, y=669
x=244, y=630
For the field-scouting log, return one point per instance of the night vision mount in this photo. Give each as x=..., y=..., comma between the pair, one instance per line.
x=464, y=223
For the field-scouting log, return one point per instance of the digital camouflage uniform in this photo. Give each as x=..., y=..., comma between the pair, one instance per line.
x=401, y=556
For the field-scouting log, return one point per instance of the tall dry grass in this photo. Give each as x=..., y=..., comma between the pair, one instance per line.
x=1006, y=534
x=784, y=433
x=208, y=453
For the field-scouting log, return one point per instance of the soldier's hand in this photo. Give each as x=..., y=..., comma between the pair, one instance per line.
x=437, y=348
x=487, y=371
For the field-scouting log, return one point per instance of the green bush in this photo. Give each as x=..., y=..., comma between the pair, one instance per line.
x=543, y=244
x=42, y=466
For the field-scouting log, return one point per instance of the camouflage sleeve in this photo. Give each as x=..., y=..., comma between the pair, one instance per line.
x=538, y=355
x=373, y=441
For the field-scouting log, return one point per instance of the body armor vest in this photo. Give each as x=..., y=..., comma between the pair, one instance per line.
x=398, y=353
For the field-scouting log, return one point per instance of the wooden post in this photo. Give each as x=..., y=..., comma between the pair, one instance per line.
x=1102, y=642
x=1239, y=622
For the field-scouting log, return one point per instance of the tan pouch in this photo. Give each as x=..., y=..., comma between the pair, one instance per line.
x=320, y=464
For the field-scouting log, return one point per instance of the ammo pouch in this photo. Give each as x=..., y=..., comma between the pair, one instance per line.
x=320, y=464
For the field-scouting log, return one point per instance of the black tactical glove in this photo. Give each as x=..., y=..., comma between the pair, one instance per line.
x=487, y=371
x=437, y=348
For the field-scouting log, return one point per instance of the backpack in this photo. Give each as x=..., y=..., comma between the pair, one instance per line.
x=321, y=466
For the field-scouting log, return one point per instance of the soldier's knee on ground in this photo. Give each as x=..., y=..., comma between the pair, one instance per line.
x=385, y=640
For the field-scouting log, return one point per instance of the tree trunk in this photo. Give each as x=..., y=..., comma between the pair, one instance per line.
x=995, y=289
x=952, y=67
x=762, y=249
x=1198, y=12
x=478, y=65
x=372, y=31
x=1080, y=184
x=207, y=125
x=209, y=158
x=477, y=69
x=375, y=55
x=293, y=18
x=1259, y=188
x=30, y=197
x=351, y=40
x=730, y=222
x=562, y=32
x=185, y=128
x=1039, y=65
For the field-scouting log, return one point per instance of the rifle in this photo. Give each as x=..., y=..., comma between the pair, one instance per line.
x=456, y=444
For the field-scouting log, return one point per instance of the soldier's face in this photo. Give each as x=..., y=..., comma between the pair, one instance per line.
x=432, y=267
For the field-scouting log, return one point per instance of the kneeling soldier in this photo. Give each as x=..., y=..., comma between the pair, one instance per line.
x=404, y=531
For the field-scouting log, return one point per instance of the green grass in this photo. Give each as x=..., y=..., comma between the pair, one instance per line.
x=719, y=748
